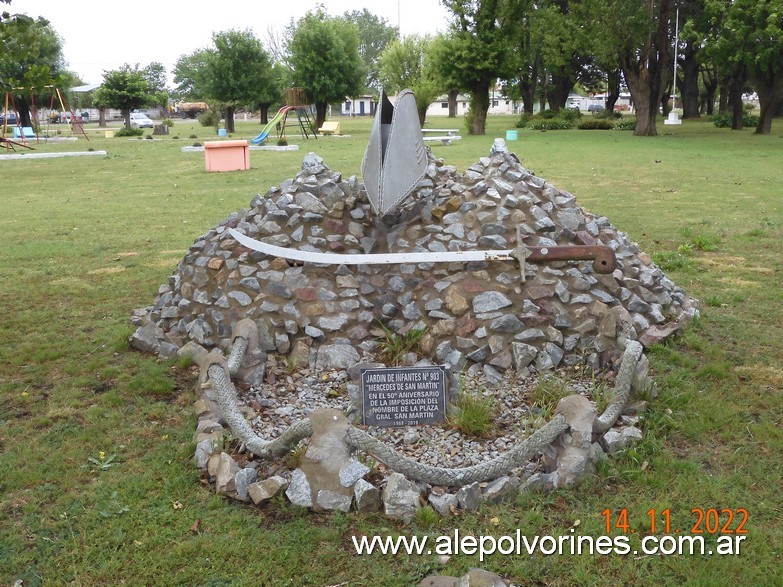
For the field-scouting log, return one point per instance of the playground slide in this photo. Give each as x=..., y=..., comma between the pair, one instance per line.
x=268, y=128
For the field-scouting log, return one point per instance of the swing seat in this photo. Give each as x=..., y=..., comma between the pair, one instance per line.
x=27, y=132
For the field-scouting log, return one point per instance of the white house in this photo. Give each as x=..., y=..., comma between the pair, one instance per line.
x=359, y=106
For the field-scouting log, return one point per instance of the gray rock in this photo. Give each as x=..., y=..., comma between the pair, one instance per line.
x=400, y=498
x=445, y=504
x=336, y=356
x=523, y=354
x=507, y=323
x=352, y=473
x=481, y=578
x=263, y=491
x=334, y=501
x=490, y=301
x=204, y=450
x=502, y=489
x=366, y=496
x=298, y=491
x=469, y=497
x=242, y=481
x=227, y=468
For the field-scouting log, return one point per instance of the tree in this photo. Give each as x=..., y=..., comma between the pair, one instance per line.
x=405, y=64
x=125, y=89
x=480, y=51
x=639, y=34
x=30, y=60
x=272, y=93
x=746, y=38
x=323, y=54
x=374, y=36
x=155, y=73
x=237, y=71
x=439, y=62
x=189, y=75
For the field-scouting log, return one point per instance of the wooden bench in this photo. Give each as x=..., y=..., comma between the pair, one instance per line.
x=330, y=128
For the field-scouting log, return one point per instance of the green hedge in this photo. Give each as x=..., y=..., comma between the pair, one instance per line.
x=595, y=124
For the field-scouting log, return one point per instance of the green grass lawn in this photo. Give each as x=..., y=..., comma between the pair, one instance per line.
x=86, y=240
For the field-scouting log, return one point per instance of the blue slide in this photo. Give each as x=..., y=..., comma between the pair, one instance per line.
x=268, y=128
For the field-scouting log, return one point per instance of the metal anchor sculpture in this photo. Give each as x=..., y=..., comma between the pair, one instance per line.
x=394, y=162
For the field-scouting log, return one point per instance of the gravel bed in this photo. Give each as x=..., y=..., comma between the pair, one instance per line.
x=287, y=398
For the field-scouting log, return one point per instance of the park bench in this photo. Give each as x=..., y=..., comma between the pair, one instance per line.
x=330, y=128
x=444, y=135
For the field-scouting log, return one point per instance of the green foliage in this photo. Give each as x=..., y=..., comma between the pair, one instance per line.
x=128, y=132
x=551, y=124
x=393, y=346
x=426, y=517
x=282, y=143
x=705, y=243
x=168, y=122
x=727, y=120
x=625, y=123
x=237, y=70
x=375, y=35
x=324, y=57
x=548, y=391
x=209, y=118
x=595, y=124
x=31, y=55
x=125, y=89
x=473, y=414
x=673, y=260
x=405, y=64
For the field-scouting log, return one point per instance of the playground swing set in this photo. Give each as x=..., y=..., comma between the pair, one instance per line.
x=296, y=102
x=22, y=133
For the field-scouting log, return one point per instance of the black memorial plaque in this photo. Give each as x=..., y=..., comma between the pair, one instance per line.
x=403, y=396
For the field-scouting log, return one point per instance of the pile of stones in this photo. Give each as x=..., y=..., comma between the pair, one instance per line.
x=480, y=317
x=489, y=321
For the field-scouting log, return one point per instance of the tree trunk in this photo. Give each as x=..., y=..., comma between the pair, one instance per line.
x=320, y=113
x=126, y=114
x=422, y=110
x=769, y=88
x=613, y=89
x=690, y=84
x=559, y=90
x=735, y=85
x=723, y=100
x=647, y=73
x=263, y=113
x=230, y=118
x=22, y=111
x=453, y=94
x=102, y=117
x=665, y=104
x=479, y=105
x=710, y=81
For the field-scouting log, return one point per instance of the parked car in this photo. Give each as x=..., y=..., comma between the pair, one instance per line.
x=11, y=118
x=595, y=108
x=139, y=120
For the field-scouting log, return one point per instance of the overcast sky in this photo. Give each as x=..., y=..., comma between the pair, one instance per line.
x=101, y=35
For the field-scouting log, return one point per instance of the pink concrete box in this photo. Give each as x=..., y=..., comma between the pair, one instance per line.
x=227, y=155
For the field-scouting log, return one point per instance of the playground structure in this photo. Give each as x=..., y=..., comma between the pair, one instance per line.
x=296, y=101
x=40, y=124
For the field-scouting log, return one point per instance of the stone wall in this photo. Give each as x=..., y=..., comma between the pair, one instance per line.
x=479, y=316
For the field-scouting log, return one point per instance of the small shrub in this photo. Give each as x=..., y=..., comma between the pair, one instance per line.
x=128, y=132
x=548, y=392
x=726, y=120
x=705, y=243
x=168, y=122
x=625, y=124
x=282, y=143
x=209, y=118
x=548, y=114
x=426, y=517
x=196, y=144
x=551, y=124
x=595, y=124
x=193, y=136
x=572, y=114
x=524, y=120
x=473, y=415
x=607, y=114
x=672, y=260
x=175, y=138
x=148, y=137
x=393, y=346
